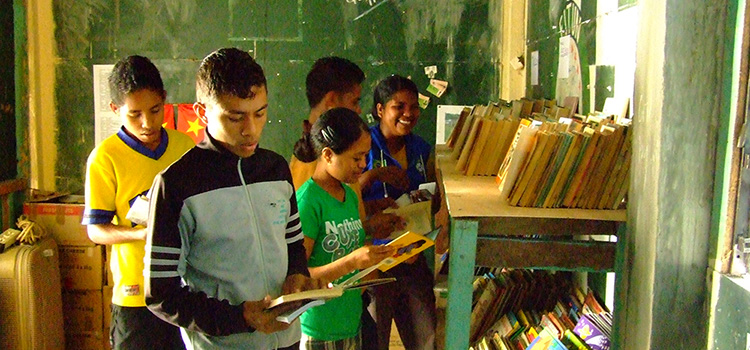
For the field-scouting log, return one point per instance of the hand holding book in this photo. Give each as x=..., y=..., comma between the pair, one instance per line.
x=289, y=306
x=295, y=284
x=258, y=316
x=369, y=255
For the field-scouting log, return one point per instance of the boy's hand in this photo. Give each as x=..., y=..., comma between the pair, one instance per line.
x=375, y=206
x=394, y=176
x=381, y=225
x=299, y=283
x=143, y=233
x=263, y=320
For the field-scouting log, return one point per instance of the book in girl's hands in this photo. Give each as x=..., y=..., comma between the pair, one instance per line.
x=407, y=245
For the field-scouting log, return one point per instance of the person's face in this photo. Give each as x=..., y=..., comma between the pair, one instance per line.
x=348, y=166
x=349, y=99
x=399, y=115
x=142, y=115
x=236, y=123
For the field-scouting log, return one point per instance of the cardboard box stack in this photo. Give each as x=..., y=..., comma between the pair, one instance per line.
x=87, y=287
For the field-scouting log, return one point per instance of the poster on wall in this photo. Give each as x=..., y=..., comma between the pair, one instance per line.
x=569, y=82
x=447, y=117
x=106, y=122
x=535, y=68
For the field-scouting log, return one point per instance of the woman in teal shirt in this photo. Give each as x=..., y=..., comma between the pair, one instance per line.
x=334, y=237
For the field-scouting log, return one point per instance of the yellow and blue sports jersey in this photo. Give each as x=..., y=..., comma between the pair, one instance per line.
x=118, y=171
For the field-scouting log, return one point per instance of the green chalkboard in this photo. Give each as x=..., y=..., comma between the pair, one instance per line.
x=544, y=32
x=286, y=36
x=7, y=94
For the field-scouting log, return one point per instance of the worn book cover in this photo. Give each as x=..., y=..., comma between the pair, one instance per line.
x=507, y=132
x=564, y=171
x=516, y=160
x=451, y=142
x=475, y=156
x=407, y=245
x=546, y=341
x=589, y=331
x=464, y=132
x=471, y=138
x=573, y=341
x=524, y=177
x=515, y=138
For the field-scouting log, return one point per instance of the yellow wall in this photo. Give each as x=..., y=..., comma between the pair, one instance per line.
x=42, y=118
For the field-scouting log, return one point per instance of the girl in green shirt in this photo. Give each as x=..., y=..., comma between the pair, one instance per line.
x=334, y=237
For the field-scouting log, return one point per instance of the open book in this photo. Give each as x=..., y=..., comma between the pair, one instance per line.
x=418, y=220
x=297, y=303
x=407, y=245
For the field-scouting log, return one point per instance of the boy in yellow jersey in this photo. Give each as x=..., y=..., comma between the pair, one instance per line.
x=119, y=170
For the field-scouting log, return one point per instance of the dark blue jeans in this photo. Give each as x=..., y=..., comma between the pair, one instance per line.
x=137, y=328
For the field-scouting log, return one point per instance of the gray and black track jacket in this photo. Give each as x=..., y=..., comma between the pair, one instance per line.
x=222, y=230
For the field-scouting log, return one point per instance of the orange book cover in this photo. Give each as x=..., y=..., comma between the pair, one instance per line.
x=407, y=245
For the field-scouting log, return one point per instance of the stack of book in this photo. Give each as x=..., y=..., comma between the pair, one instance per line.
x=523, y=309
x=545, y=156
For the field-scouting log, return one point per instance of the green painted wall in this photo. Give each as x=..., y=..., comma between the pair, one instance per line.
x=543, y=35
x=287, y=36
x=7, y=93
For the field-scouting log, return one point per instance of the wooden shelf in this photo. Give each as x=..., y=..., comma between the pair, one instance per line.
x=570, y=255
x=486, y=231
x=479, y=197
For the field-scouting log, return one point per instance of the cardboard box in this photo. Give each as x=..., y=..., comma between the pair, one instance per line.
x=60, y=217
x=107, y=261
x=82, y=267
x=82, y=311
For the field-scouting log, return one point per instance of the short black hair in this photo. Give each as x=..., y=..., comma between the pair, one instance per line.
x=331, y=74
x=131, y=74
x=228, y=72
x=387, y=87
x=338, y=129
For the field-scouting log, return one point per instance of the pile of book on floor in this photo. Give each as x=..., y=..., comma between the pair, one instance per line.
x=543, y=155
x=532, y=309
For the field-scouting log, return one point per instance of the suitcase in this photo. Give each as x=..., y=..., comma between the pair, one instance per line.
x=31, y=297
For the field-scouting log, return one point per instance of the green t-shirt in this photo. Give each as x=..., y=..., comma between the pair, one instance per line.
x=337, y=230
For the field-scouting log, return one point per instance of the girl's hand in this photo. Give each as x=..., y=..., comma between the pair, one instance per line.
x=369, y=255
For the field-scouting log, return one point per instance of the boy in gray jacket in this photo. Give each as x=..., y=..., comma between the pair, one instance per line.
x=224, y=231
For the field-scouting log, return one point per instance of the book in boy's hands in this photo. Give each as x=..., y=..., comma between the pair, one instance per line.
x=296, y=303
x=138, y=213
x=407, y=245
x=290, y=315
